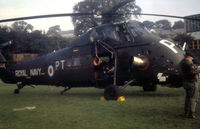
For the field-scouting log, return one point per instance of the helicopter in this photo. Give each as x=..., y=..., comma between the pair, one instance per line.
x=107, y=56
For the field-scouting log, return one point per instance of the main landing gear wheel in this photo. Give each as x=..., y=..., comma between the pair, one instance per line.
x=149, y=87
x=111, y=93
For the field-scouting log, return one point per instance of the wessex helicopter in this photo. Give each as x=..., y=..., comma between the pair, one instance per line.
x=107, y=56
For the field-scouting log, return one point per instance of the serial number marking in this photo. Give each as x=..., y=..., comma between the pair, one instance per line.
x=20, y=73
x=35, y=72
x=23, y=72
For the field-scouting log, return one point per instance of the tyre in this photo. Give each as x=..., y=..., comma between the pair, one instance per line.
x=111, y=93
x=149, y=87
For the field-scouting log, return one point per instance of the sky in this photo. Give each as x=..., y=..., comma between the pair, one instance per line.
x=20, y=8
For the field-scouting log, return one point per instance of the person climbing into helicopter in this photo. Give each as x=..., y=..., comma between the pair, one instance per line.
x=98, y=68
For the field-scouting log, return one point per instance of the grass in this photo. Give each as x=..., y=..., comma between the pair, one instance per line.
x=81, y=108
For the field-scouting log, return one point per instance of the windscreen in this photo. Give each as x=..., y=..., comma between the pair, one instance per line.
x=110, y=33
x=140, y=34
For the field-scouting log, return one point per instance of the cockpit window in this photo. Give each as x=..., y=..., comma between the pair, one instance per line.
x=124, y=34
x=138, y=30
x=110, y=33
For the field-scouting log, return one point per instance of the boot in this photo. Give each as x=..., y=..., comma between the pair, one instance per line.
x=192, y=115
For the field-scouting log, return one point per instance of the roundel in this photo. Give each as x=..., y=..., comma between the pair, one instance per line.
x=50, y=70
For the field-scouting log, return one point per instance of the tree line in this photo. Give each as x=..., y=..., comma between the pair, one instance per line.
x=179, y=38
x=27, y=40
x=164, y=24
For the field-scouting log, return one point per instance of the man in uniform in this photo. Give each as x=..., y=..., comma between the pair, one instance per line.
x=190, y=76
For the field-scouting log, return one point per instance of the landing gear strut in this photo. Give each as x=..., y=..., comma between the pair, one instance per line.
x=19, y=87
x=65, y=90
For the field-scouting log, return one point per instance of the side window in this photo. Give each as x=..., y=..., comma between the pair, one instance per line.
x=124, y=35
x=76, y=61
x=69, y=63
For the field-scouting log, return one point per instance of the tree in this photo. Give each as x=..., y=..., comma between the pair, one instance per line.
x=178, y=25
x=22, y=26
x=54, y=31
x=148, y=24
x=163, y=24
x=4, y=34
x=182, y=38
x=84, y=23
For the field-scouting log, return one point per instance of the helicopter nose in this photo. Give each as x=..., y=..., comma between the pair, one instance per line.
x=141, y=62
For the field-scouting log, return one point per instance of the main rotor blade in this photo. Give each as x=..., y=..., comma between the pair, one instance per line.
x=170, y=16
x=153, y=15
x=45, y=16
x=87, y=14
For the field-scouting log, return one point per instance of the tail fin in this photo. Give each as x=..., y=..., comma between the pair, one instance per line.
x=3, y=61
x=3, y=72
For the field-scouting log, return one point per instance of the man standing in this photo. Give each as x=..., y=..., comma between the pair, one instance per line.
x=190, y=76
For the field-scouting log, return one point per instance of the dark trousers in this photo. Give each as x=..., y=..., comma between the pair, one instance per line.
x=192, y=94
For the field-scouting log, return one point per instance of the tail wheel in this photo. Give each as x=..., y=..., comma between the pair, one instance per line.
x=149, y=87
x=19, y=87
x=16, y=91
x=111, y=93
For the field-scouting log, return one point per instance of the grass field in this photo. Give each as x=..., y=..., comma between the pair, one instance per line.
x=81, y=108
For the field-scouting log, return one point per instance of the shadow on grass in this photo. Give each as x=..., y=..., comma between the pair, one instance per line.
x=92, y=93
x=55, y=93
x=150, y=94
x=84, y=94
x=144, y=94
